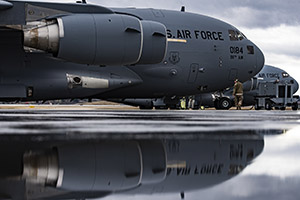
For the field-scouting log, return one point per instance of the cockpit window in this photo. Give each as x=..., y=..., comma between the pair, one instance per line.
x=250, y=49
x=241, y=36
x=285, y=75
x=236, y=35
x=232, y=35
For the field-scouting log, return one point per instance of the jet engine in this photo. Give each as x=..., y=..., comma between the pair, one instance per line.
x=104, y=166
x=251, y=85
x=99, y=39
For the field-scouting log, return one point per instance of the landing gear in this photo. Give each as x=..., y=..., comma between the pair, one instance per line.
x=256, y=106
x=216, y=104
x=146, y=107
x=282, y=108
x=161, y=108
x=295, y=106
x=224, y=103
x=268, y=105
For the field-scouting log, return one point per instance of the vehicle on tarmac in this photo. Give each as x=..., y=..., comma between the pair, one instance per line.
x=270, y=88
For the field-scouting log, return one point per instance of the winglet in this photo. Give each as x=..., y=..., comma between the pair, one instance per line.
x=5, y=5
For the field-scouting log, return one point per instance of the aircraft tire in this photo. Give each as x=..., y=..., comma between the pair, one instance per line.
x=145, y=107
x=160, y=108
x=216, y=104
x=295, y=106
x=224, y=103
x=268, y=105
x=282, y=108
x=256, y=107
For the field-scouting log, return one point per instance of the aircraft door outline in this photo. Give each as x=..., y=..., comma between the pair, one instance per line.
x=194, y=68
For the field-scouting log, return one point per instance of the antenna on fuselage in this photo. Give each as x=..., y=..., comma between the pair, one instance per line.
x=182, y=9
x=83, y=1
x=182, y=193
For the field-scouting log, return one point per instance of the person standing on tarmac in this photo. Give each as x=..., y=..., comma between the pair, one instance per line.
x=238, y=94
x=191, y=103
x=182, y=103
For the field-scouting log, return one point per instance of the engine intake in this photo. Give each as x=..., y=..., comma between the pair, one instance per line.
x=100, y=39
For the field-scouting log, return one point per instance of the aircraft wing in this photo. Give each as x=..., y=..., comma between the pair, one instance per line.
x=18, y=13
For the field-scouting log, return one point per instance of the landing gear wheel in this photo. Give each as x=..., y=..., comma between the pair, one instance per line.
x=268, y=105
x=256, y=107
x=217, y=105
x=282, y=108
x=145, y=107
x=295, y=106
x=225, y=103
x=160, y=108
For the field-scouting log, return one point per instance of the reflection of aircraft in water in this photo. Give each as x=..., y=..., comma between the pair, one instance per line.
x=36, y=167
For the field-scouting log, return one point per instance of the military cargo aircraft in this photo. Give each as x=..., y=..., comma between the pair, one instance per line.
x=56, y=51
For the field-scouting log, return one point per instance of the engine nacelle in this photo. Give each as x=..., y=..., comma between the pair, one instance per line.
x=154, y=42
x=106, y=166
x=103, y=166
x=251, y=84
x=100, y=39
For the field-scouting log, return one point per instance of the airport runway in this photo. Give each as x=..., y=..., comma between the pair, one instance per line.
x=136, y=123
x=273, y=175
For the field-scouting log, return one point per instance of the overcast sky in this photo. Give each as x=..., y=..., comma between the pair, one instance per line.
x=273, y=25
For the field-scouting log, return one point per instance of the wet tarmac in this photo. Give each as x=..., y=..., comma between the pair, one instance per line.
x=273, y=174
x=120, y=122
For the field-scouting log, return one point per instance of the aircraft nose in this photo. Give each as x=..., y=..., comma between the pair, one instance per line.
x=296, y=86
x=260, y=59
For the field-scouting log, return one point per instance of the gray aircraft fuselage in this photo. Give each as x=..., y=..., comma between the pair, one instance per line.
x=268, y=74
x=202, y=55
